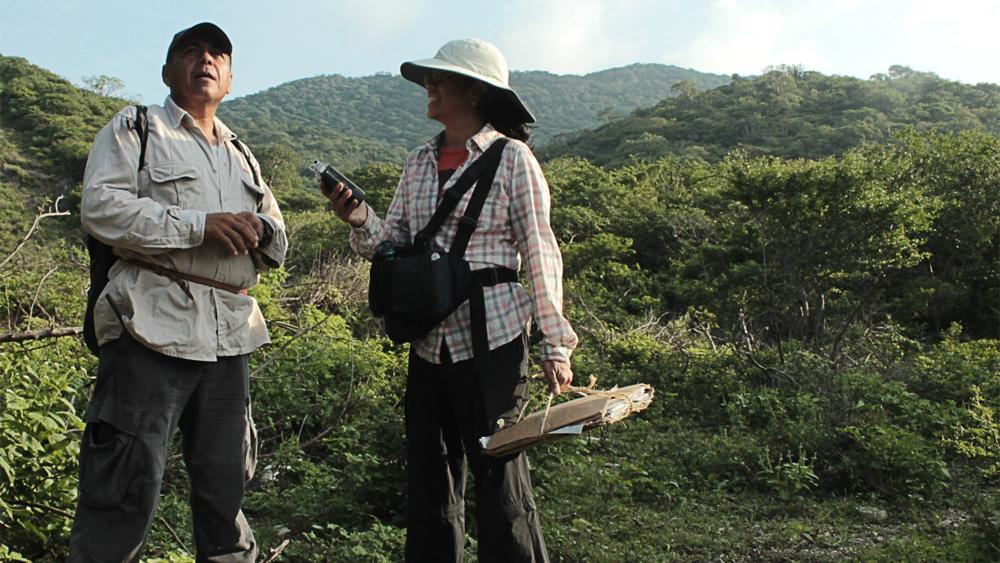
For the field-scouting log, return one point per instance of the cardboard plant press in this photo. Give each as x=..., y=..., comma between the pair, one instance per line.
x=595, y=408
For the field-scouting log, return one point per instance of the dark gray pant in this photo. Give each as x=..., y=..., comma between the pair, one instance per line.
x=448, y=408
x=140, y=399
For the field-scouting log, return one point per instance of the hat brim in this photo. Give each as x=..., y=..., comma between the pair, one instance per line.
x=415, y=71
x=204, y=30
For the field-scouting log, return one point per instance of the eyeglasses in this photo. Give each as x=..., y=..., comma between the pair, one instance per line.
x=437, y=77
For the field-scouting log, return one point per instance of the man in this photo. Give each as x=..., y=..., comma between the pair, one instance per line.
x=192, y=228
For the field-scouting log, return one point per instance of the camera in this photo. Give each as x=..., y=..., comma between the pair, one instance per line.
x=331, y=176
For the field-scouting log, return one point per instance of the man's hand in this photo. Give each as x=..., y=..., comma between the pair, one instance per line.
x=559, y=375
x=237, y=232
x=348, y=210
x=254, y=221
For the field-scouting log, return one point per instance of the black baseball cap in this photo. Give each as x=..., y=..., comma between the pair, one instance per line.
x=204, y=30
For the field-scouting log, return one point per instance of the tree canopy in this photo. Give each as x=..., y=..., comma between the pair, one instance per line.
x=787, y=112
x=822, y=330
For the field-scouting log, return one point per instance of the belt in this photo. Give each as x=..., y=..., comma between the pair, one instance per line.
x=477, y=312
x=496, y=276
x=181, y=278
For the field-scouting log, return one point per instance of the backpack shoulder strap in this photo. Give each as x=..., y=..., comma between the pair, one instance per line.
x=253, y=169
x=246, y=155
x=141, y=126
x=470, y=219
x=454, y=194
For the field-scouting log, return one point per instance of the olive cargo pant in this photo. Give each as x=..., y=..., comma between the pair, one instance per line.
x=139, y=400
x=448, y=408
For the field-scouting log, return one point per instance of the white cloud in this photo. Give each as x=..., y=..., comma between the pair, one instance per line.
x=856, y=37
x=379, y=19
x=957, y=39
x=747, y=36
x=562, y=36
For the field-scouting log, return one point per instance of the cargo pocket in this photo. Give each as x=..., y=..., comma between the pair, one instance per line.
x=170, y=184
x=108, y=465
x=505, y=387
x=250, y=445
x=111, y=464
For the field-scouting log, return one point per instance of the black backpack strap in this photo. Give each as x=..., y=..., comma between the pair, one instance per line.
x=490, y=162
x=253, y=169
x=246, y=155
x=477, y=312
x=454, y=194
x=141, y=126
x=470, y=220
x=102, y=256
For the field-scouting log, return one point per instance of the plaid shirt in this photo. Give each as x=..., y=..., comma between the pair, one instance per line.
x=514, y=225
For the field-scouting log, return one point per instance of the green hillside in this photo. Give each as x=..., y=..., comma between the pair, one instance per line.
x=326, y=114
x=788, y=112
x=823, y=335
x=46, y=127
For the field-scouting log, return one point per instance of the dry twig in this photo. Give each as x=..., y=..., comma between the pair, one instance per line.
x=173, y=532
x=54, y=332
x=31, y=231
x=280, y=351
x=276, y=551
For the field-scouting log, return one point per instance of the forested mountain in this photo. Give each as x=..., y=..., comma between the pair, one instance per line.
x=324, y=115
x=46, y=127
x=822, y=334
x=788, y=112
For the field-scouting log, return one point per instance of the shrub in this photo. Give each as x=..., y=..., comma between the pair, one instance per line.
x=39, y=443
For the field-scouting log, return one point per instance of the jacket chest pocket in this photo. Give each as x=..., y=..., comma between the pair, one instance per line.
x=496, y=210
x=253, y=195
x=172, y=184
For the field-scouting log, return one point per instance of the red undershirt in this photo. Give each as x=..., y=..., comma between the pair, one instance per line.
x=448, y=161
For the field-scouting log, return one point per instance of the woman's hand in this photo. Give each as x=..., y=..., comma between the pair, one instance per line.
x=349, y=210
x=559, y=374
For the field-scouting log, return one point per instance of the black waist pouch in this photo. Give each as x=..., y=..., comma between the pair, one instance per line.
x=414, y=290
x=415, y=287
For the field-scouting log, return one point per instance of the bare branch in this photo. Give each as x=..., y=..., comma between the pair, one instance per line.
x=280, y=352
x=173, y=532
x=54, y=332
x=52, y=509
x=336, y=421
x=276, y=551
x=341, y=415
x=34, y=226
x=38, y=290
x=750, y=353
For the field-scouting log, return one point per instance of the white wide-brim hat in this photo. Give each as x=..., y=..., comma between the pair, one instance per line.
x=473, y=58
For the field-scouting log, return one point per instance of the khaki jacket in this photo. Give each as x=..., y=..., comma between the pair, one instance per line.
x=158, y=215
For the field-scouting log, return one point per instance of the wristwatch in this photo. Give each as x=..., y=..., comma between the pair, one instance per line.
x=265, y=239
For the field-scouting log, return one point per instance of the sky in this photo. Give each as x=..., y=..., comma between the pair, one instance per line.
x=276, y=42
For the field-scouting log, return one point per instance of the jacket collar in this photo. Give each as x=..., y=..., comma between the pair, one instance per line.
x=177, y=115
x=480, y=141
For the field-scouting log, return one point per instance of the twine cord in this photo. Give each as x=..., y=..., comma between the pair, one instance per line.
x=589, y=390
x=547, y=407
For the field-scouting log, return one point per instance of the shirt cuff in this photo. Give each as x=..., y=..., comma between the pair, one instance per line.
x=269, y=229
x=196, y=221
x=558, y=353
x=268, y=253
x=366, y=227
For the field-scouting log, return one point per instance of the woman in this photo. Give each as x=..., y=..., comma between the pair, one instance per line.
x=449, y=406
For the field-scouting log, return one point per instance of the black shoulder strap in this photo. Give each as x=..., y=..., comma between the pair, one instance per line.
x=470, y=220
x=246, y=155
x=487, y=164
x=141, y=125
